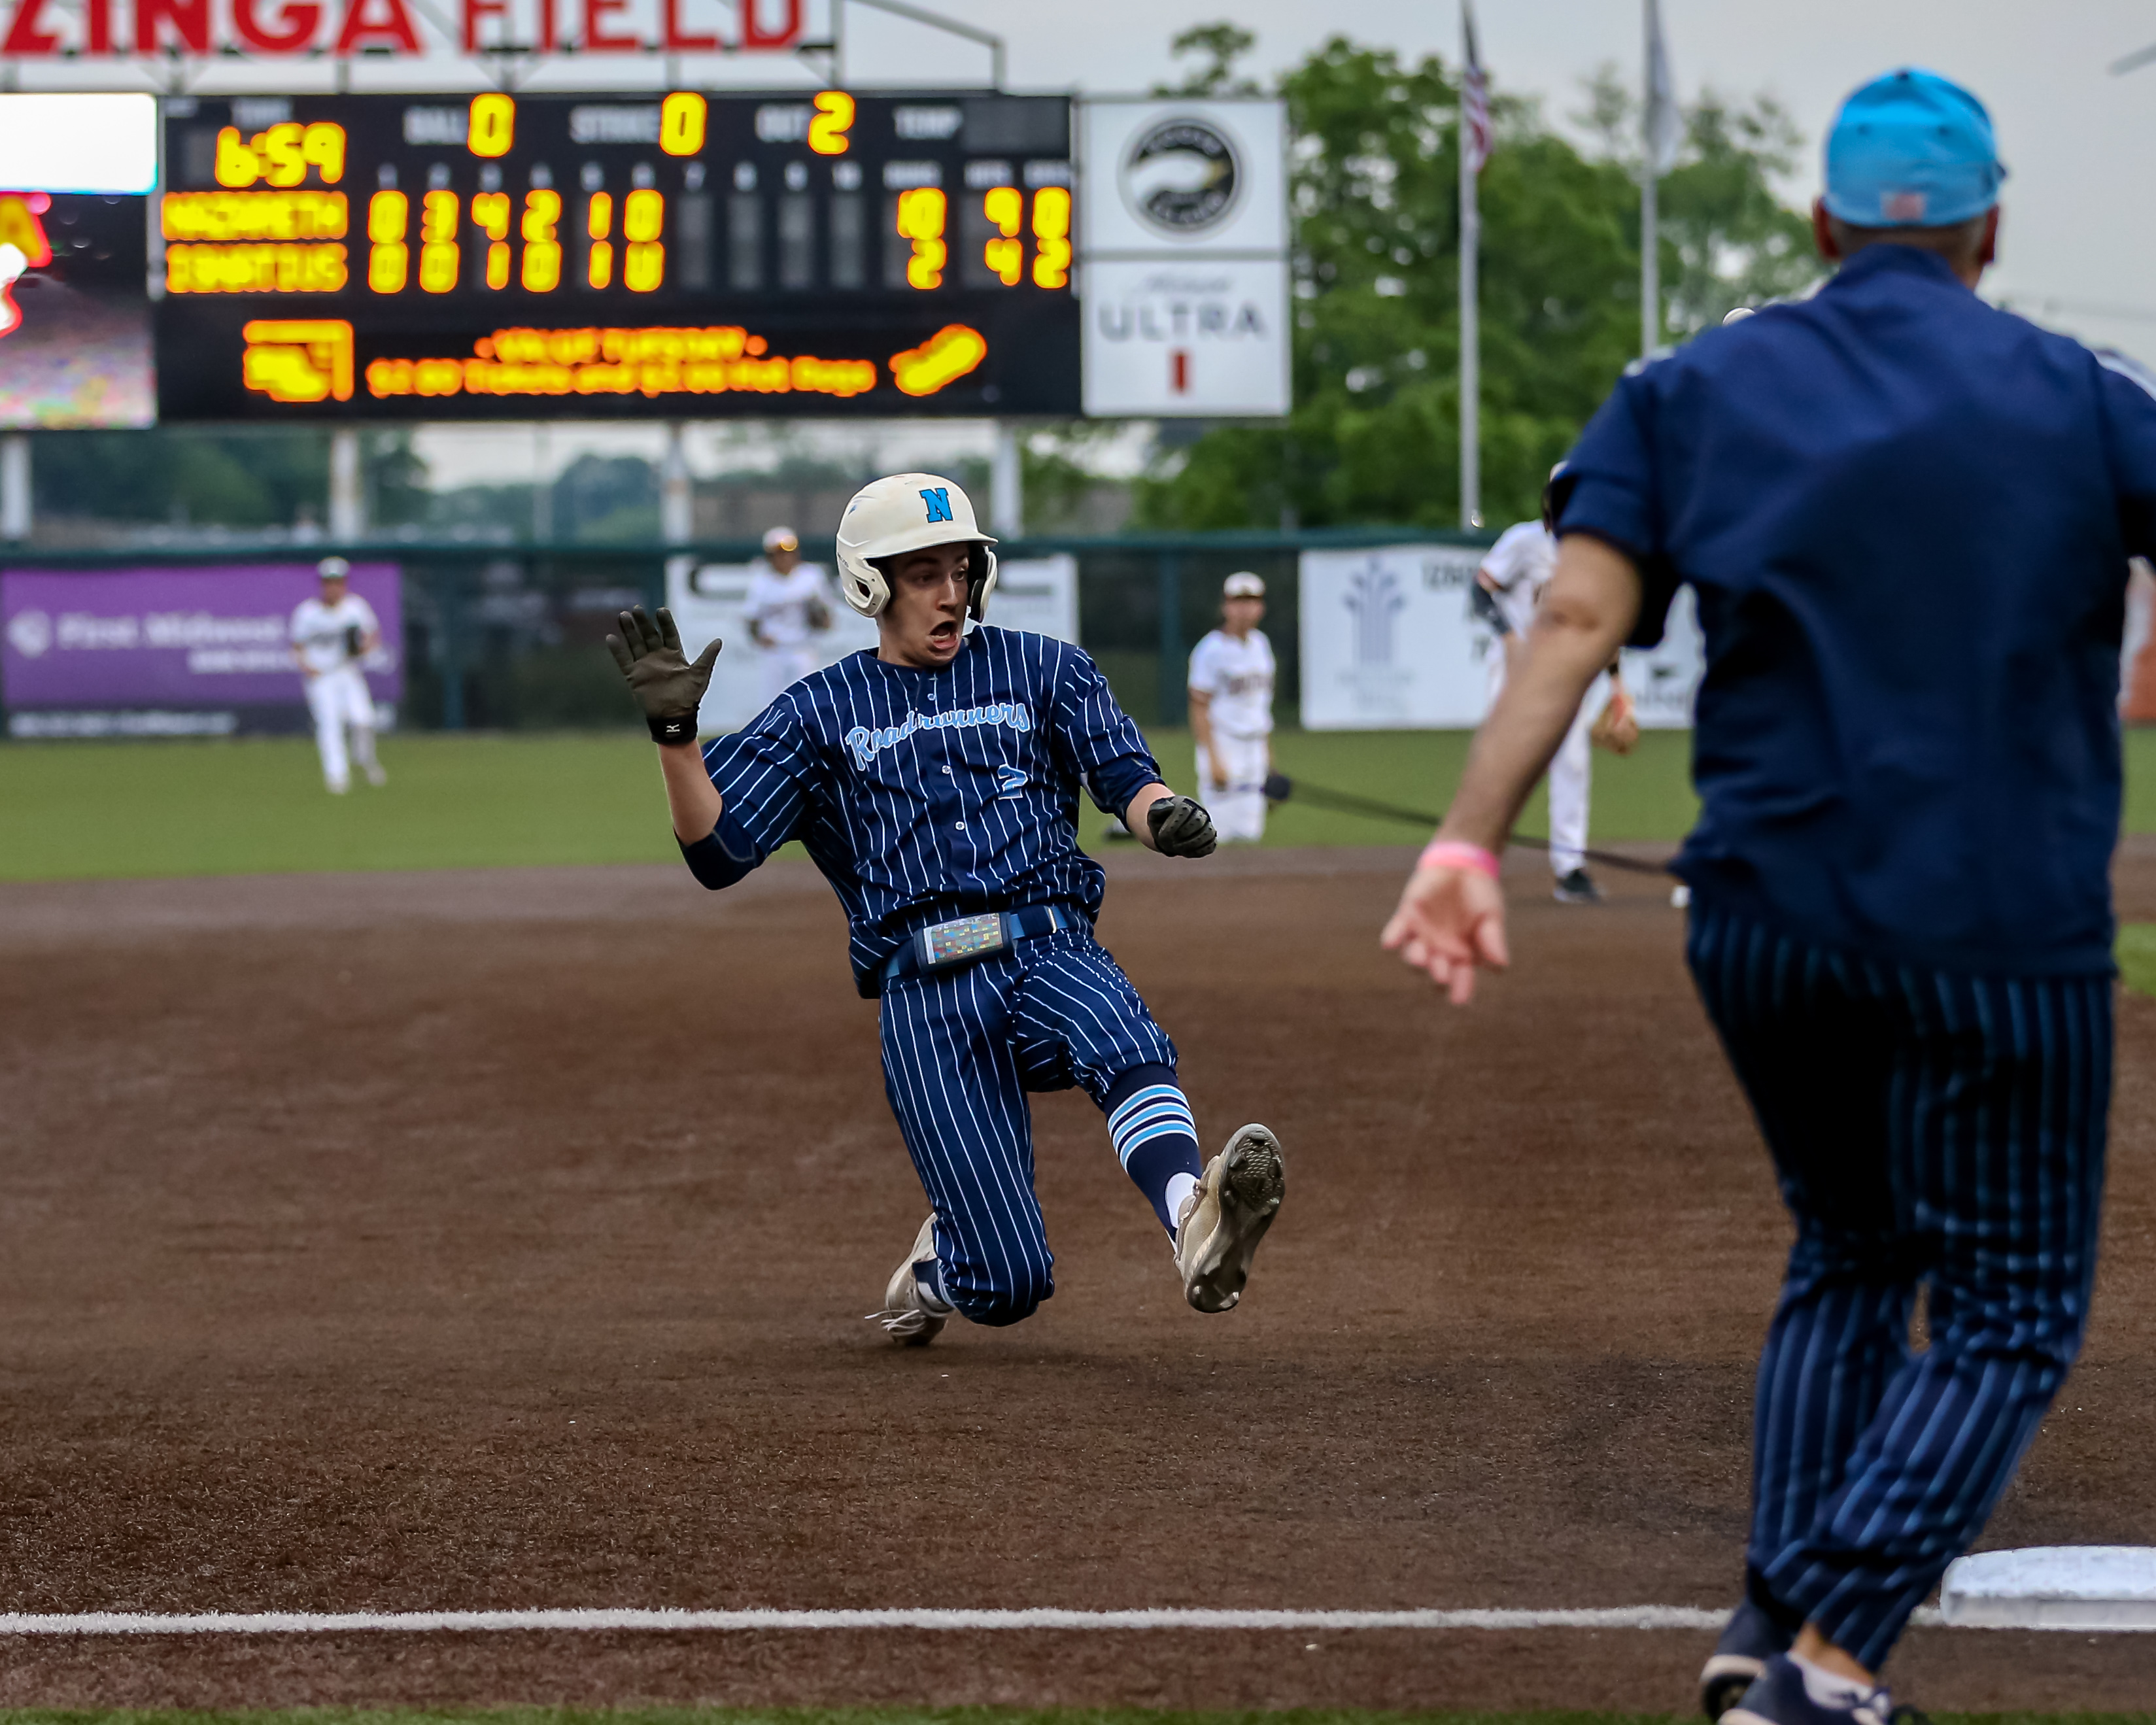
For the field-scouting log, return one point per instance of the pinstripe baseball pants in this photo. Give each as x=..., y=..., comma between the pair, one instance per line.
x=960, y=1051
x=1928, y=1128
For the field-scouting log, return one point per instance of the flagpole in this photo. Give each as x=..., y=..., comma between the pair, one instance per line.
x=1651, y=250
x=1471, y=331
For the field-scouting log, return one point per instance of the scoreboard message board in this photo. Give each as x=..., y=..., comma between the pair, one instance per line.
x=685, y=255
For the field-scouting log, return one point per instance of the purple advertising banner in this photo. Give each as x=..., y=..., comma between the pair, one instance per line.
x=171, y=641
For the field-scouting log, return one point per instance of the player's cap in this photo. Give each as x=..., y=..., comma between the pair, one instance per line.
x=1242, y=585
x=1911, y=150
x=781, y=539
x=333, y=569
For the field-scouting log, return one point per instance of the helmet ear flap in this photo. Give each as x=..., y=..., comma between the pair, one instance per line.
x=979, y=586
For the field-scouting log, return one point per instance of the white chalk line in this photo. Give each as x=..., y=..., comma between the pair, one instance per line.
x=319, y=1623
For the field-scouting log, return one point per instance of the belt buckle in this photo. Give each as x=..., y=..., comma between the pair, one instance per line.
x=961, y=940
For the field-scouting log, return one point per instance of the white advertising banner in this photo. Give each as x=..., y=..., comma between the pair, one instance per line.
x=1183, y=215
x=1037, y=594
x=1203, y=335
x=1391, y=642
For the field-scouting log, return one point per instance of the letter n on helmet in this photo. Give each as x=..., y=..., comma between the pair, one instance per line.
x=908, y=511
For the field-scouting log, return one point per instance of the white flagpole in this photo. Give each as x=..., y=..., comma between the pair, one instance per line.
x=1650, y=258
x=1470, y=332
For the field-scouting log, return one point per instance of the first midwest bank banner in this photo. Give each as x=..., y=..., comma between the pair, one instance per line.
x=212, y=641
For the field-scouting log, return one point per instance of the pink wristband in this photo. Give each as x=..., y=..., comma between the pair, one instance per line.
x=1457, y=853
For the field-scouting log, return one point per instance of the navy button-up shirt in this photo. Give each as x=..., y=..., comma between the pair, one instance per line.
x=927, y=795
x=1907, y=517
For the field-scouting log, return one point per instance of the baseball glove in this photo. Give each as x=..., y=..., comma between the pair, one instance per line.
x=1617, y=728
x=666, y=686
x=355, y=641
x=1279, y=787
x=819, y=616
x=1180, y=826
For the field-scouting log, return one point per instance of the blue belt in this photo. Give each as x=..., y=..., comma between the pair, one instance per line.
x=966, y=940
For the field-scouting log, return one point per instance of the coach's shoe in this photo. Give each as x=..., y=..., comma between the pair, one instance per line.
x=911, y=1317
x=376, y=776
x=1223, y=1220
x=1748, y=1641
x=1577, y=888
x=1780, y=1697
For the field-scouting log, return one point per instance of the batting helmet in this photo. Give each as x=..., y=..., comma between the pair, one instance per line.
x=908, y=511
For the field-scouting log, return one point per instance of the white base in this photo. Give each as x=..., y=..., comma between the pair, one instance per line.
x=2053, y=1587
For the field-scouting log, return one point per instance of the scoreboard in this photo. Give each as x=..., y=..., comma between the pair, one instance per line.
x=684, y=255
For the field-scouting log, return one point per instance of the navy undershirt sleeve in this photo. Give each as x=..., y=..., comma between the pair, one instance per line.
x=2129, y=403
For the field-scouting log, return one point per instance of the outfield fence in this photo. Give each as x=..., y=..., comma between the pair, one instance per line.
x=509, y=637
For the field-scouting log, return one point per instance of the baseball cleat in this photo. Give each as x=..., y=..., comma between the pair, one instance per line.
x=908, y=1317
x=1577, y=888
x=1748, y=1641
x=1223, y=1220
x=1780, y=1697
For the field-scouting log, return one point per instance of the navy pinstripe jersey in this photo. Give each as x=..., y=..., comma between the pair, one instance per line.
x=924, y=794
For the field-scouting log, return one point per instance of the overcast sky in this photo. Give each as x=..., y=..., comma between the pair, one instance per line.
x=2079, y=248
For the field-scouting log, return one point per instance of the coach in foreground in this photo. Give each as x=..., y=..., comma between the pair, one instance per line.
x=935, y=782
x=1907, y=517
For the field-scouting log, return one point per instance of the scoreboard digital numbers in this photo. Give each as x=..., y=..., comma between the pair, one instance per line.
x=676, y=256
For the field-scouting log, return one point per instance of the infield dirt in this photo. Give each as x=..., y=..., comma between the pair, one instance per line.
x=502, y=1239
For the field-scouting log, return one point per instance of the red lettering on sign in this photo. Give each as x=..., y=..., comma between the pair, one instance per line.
x=396, y=26
x=596, y=40
x=99, y=14
x=550, y=35
x=189, y=18
x=755, y=36
x=23, y=35
x=300, y=22
x=677, y=39
x=475, y=10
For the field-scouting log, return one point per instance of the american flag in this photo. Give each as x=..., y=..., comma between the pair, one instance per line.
x=1474, y=95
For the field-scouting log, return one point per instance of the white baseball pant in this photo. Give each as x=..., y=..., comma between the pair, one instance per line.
x=338, y=698
x=1239, y=811
x=1571, y=771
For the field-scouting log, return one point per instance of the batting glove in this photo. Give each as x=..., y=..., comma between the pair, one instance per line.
x=666, y=686
x=1180, y=826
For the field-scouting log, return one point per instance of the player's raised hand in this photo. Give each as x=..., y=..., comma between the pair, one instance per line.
x=666, y=685
x=1450, y=921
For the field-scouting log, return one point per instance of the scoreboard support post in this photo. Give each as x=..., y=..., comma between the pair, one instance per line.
x=1007, y=482
x=677, y=508
x=347, y=497
x=15, y=486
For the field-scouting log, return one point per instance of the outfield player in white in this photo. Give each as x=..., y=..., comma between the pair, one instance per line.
x=789, y=605
x=1514, y=573
x=330, y=635
x=1231, y=711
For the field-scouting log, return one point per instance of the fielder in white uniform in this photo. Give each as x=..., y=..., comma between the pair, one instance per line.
x=330, y=635
x=1514, y=573
x=1231, y=711
x=789, y=605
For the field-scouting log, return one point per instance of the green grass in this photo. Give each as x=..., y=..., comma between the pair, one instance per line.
x=74, y=810
x=911, y=1715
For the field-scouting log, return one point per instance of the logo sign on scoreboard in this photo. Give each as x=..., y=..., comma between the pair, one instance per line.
x=682, y=255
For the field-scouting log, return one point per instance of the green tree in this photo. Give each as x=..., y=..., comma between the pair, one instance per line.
x=1374, y=436
x=1727, y=239
x=1222, y=44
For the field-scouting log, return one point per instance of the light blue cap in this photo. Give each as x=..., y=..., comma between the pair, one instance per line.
x=1911, y=150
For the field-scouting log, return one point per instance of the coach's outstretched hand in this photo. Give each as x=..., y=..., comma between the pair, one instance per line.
x=1180, y=826
x=1450, y=921
x=666, y=686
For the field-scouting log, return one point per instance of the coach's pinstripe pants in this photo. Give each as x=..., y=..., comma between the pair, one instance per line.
x=1928, y=1127
x=960, y=1051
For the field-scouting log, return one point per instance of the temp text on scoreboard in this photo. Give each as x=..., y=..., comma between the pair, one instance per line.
x=676, y=256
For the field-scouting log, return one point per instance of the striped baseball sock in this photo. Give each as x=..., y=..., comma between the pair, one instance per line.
x=1155, y=1137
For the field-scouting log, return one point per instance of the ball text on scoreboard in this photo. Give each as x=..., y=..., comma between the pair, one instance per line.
x=407, y=256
